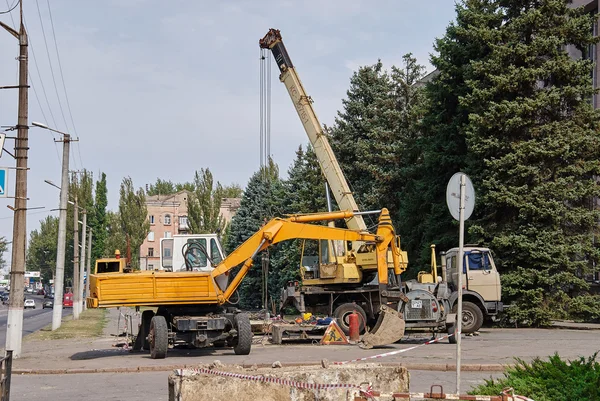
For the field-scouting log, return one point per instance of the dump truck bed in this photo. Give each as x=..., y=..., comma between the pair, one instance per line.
x=151, y=288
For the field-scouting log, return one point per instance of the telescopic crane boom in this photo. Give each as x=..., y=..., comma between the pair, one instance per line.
x=303, y=103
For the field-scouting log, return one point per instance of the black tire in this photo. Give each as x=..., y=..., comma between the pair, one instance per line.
x=342, y=313
x=472, y=317
x=158, y=337
x=243, y=343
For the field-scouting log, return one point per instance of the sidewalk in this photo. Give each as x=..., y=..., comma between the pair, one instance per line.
x=492, y=350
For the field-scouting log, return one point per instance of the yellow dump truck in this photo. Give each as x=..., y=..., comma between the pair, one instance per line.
x=193, y=305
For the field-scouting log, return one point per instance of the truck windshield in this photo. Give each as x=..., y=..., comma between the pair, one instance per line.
x=108, y=267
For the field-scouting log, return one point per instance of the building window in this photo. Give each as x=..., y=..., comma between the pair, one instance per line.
x=168, y=234
x=167, y=219
x=150, y=267
x=151, y=218
x=183, y=221
x=151, y=236
x=150, y=251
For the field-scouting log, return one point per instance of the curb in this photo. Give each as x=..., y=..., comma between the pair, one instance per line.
x=441, y=367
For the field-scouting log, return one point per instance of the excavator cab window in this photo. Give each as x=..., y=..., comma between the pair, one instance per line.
x=310, y=259
x=108, y=267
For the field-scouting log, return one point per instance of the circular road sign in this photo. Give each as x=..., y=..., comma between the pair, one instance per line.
x=453, y=196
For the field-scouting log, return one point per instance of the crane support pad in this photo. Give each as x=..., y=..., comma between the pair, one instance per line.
x=388, y=329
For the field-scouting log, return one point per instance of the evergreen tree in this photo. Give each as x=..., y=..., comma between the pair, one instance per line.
x=259, y=204
x=534, y=133
x=98, y=221
x=440, y=149
x=133, y=216
x=356, y=138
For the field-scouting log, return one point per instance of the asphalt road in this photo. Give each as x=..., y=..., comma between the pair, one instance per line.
x=33, y=319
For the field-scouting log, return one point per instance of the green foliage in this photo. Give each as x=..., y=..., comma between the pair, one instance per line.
x=204, y=204
x=98, y=220
x=3, y=248
x=133, y=217
x=533, y=140
x=259, y=204
x=551, y=380
x=41, y=250
x=115, y=236
x=161, y=187
x=232, y=191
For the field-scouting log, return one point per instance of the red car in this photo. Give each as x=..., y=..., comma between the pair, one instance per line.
x=41, y=292
x=68, y=300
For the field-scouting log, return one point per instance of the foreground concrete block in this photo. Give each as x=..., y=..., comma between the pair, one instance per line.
x=194, y=386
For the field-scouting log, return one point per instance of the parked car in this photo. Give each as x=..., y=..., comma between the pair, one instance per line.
x=29, y=290
x=49, y=303
x=29, y=303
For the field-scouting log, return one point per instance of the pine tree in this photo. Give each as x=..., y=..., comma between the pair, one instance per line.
x=440, y=149
x=259, y=204
x=535, y=134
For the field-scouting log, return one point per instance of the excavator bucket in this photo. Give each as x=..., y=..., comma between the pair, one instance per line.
x=388, y=329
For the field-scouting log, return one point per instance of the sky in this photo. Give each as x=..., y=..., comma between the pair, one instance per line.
x=159, y=89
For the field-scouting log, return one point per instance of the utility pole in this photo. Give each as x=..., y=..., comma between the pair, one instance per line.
x=76, y=261
x=82, y=264
x=59, y=280
x=14, y=330
x=89, y=258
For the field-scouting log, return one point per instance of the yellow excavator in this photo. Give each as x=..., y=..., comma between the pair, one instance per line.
x=193, y=306
x=336, y=279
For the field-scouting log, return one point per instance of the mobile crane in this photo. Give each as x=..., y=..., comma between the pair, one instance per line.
x=193, y=305
x=426, y=303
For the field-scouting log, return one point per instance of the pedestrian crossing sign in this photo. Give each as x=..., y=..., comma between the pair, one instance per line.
x=3, y=182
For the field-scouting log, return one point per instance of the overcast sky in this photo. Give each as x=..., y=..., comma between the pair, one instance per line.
x=164, y=88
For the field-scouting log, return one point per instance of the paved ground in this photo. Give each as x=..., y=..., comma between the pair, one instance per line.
x=428, y=364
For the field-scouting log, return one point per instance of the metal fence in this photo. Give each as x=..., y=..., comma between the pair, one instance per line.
x=5, y=373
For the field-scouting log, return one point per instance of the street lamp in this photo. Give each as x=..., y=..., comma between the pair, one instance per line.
x=62, y=228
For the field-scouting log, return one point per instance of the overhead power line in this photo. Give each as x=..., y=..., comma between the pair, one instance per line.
x=10, y=7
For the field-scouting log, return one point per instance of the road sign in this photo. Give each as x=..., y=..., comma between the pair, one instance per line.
x=453, y=196
x=3, y=182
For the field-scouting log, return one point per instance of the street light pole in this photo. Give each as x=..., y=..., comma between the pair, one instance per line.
x=62, y=228
x=89, y=258
x=76, y=260
x=82, y=263
x=14, y=330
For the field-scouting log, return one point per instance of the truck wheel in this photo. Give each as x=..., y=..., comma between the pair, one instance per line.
x=158, y=337
x=342, y=314
x=472, y=317
x=243, y=343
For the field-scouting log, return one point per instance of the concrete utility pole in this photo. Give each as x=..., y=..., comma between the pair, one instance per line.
x=14, y=330
x=89, y=258
x=59, y=280
x=76, y=261
x=82, y=264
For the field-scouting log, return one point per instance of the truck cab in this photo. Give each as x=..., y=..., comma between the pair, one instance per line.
x=190, y=252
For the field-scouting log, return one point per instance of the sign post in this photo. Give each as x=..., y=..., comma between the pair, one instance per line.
x=460, y=197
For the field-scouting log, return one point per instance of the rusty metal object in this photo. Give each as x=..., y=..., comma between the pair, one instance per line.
x=388, y=329
x=270, y=39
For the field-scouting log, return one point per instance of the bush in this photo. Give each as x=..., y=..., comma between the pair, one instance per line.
x=551, y=380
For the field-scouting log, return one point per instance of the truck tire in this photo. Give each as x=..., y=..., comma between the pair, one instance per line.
x=243, y=343
x=158, y=337
x=342, y=313
x=147, y=316
x=472, y=317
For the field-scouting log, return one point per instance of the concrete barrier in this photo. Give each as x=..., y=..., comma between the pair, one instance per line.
x=230, y=382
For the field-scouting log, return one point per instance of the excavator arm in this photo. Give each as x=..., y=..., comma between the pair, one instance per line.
x=303, y=104
x=296, y=227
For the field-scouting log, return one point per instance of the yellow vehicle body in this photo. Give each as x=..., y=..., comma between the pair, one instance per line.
x=159, y=288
